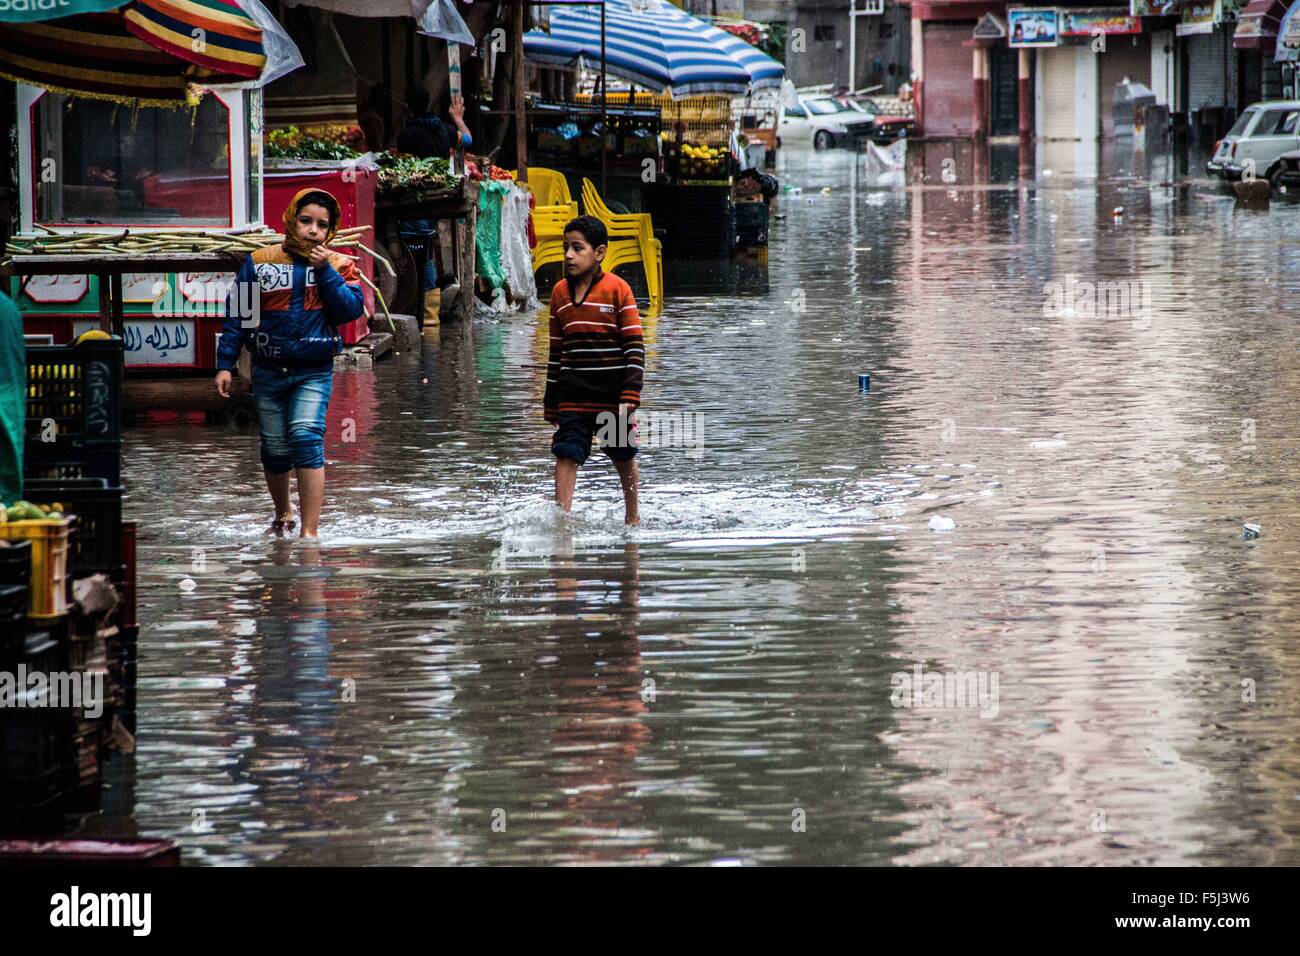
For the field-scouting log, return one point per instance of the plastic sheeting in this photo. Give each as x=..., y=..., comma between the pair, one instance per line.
x=13, y=400
x=886, y=159
x=487, y=240
x=435, y=18
x=504, y=259
x=516, y=258
x=282, y=54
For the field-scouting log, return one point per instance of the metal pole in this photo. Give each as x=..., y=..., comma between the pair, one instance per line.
x=521, y=131
x=604, y=116
x=853, y=40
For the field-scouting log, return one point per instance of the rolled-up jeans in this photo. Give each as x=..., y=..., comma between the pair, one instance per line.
x=291, y=408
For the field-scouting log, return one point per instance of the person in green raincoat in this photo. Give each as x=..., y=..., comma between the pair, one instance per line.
x=13, y=400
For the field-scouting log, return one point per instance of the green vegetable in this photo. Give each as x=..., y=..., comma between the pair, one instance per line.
x=402, y=176
x=24, y=511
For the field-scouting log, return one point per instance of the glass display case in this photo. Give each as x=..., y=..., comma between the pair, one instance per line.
x=88, y=164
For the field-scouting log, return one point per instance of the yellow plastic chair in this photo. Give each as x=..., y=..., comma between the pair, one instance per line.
x=636, y=227
x=554, y=184
x=548, y=224
x=549, y=188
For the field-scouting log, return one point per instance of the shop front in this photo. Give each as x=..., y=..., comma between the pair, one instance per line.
x=1255, y=41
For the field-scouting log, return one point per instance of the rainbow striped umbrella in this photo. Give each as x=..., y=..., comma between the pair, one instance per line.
x=147, y=53
x=214, y=34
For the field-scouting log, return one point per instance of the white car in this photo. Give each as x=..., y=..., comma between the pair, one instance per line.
x=822, y=122
x=1257, y=142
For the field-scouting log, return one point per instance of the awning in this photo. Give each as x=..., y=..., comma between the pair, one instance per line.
x=228, y=40
x=1258, y=25
x=148, y=52
x=435, y=18
x=94, y=55
x=654, y=45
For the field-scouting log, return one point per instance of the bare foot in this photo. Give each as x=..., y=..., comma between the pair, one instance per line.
x=285, y=523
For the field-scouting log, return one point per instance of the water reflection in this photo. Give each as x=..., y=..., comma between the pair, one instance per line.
x=1097, y=467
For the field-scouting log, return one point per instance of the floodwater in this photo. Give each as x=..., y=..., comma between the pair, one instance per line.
x=458, y=676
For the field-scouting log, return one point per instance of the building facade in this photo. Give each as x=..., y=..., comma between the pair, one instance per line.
x=821, y=36
x=1052, y=72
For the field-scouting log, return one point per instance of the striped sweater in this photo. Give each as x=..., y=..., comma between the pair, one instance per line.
x=597, y=357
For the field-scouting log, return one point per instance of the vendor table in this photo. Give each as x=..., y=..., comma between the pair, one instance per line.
x=181, y=390
x=460, y=206
x=110, y=269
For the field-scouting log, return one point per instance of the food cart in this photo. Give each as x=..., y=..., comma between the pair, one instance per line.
x=91, y=167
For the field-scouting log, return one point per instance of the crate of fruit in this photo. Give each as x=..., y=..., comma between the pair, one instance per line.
x=48, y=535
x=96, y=546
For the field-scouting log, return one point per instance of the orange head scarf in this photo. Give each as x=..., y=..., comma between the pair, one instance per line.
x=300, y=247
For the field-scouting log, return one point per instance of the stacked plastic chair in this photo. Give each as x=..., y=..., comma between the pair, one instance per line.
x=553, y=209
x=638, y=229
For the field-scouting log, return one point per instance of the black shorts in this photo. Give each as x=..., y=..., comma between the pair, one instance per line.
x=574, y=434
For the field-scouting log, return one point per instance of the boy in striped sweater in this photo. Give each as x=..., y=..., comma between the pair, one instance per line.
x=593, y=377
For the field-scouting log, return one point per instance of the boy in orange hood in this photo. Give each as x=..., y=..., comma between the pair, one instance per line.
x=305, y=291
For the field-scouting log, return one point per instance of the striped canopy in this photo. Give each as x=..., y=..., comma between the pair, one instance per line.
x=214, y=34
x=145, y=54
x=654, y=45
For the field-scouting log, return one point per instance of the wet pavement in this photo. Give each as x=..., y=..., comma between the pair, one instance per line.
x=458, y=676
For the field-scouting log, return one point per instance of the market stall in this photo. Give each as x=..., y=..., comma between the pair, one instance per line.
x=134, y=134
x=687, y=71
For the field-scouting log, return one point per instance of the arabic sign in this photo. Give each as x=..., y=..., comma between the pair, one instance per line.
x=33, y=11
x=1091, y=23
x=143, y=286
x=152, y=341
x=989, y=28
x=1199, y=16
x=54, y=290
x=1154, y=8
x=1031, y=28
x=207, y=286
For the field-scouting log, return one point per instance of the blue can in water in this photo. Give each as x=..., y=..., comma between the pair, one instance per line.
x=864, y=382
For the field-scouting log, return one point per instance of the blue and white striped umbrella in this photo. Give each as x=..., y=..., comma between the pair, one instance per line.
x=654, y=45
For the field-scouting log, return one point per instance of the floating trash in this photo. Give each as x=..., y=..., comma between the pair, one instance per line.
x=1250, y=531
x=864, y=382
x=942, y=523
x=187, y=585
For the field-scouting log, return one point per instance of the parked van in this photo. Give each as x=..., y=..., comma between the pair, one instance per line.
x=1255, y=144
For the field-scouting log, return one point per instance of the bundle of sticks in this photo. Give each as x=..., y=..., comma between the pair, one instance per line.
x=153, y=243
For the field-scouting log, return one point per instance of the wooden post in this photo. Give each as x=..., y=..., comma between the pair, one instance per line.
x=521, y=129
x=115, y=287
x=105, y=303
x=1023, y=93
x=604, y=98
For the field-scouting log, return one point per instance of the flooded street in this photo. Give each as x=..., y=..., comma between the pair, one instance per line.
x=458, y=676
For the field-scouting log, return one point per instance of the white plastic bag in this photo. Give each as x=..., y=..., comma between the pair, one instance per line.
x=516, y=259
x=282, y=54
